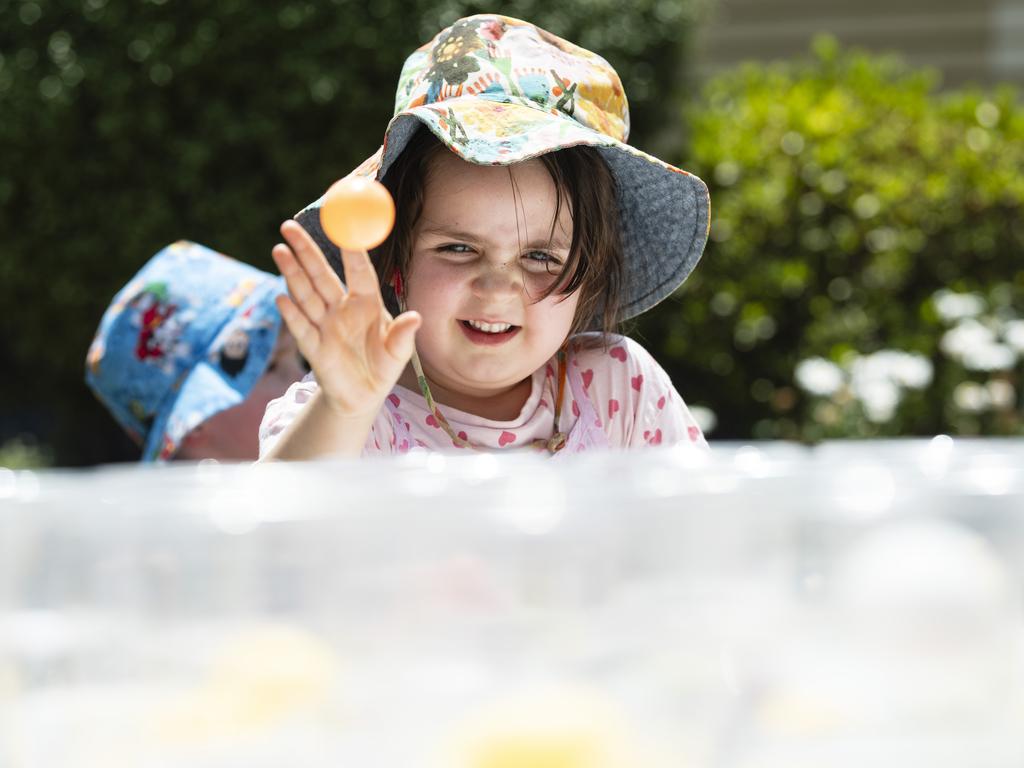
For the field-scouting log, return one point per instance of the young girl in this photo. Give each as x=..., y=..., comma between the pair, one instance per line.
x=526, y=230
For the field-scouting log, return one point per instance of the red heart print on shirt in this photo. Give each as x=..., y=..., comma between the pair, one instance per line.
x=506, y=438
x=661, y=402
x=637, y=381
x=618, y=353
x=613, y=406
x=693, y=433
x=587, y=376
x=394, y=400
x=432, y=422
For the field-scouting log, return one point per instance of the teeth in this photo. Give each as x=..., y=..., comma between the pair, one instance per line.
x=489, y=327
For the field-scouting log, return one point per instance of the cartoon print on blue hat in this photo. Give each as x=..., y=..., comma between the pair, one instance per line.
x=240, y=293
x=160, y=326
x=144, y=417
x=235, y=352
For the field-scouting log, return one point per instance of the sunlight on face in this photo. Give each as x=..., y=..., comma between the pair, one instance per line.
x=483, y=253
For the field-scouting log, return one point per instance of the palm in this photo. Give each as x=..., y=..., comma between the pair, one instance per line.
x=355, y=348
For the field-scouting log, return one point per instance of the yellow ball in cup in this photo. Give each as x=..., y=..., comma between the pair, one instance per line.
x=357, y=213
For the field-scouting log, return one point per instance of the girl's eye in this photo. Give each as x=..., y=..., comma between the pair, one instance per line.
x=542, y=260
x=456, y=248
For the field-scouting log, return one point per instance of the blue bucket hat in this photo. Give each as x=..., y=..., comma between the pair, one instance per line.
x=186, y=338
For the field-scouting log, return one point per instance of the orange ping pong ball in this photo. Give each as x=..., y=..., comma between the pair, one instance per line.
x=357, y=213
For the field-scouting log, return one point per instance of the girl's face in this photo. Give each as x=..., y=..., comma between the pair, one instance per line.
x=483, y=252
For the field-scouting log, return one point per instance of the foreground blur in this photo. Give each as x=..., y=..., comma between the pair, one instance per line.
x=850, y=605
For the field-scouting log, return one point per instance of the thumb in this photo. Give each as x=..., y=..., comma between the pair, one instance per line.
x=401, y=336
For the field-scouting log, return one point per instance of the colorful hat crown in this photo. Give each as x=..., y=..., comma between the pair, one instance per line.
x=506, y=60
x=187, y=337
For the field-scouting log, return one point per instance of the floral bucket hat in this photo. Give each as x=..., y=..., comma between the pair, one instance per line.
x=495, y=91
x=186, y=338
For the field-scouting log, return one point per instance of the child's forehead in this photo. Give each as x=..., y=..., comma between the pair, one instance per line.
x=449, y=174
x=491, y=199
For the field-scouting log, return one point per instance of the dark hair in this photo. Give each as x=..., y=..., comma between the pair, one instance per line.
x=582, y=179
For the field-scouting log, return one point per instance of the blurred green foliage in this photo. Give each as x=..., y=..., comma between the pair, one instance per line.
x=24, y=453
x=127, y=125
x=846, y=193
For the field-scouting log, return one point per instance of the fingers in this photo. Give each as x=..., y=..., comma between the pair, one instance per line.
x=391, y=349
x=355, y=348
x=311, y=260
x=360, y=276
x=306, y=334
x=400, y=338
x=303, y=294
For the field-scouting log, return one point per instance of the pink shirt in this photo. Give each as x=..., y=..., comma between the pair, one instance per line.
x=617, y=396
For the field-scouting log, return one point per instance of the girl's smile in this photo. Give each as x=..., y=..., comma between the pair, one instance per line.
x=487, y=246
x=487, y=333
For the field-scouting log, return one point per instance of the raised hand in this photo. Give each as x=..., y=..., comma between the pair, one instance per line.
x=356, y=349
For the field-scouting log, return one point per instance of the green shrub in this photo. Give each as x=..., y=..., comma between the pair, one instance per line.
x=126, y=126
x=847, y=195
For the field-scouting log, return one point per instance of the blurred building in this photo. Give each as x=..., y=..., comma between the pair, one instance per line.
x=969, y=41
